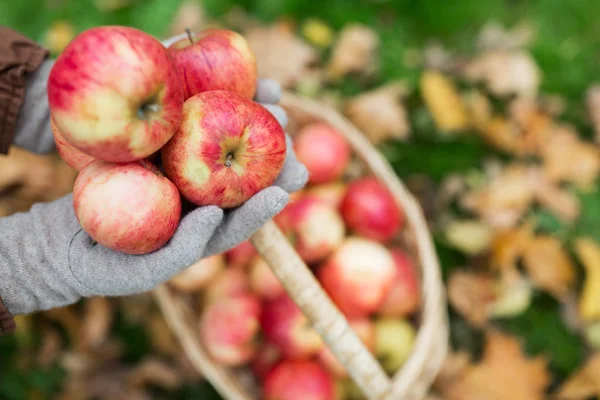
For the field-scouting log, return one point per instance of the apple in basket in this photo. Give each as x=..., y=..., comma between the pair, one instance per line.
x=215, y=59
x=114, y=94
x=226, y=149
x=299, y=380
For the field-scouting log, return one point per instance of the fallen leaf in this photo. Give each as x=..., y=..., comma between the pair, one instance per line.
x=560, y=202
x=280, y=54
x=317, y=32
x=50, y=347
x=584, y=383
x=509, y=245
x=503, y=373
x=97, y=321
x=501, y=133
x=469, y=236
x=58, y=36
x=588, y=252
x=479, y=109
x=153, y=371
x=454, y=366
x=161, y=336
x=549, y=265
x=443, y=101
x=471, y=295
x=514, y=295
x=567, y=158
x=506, y=197
x=506, y=72
x=190, y=15
x=494, y=36
x=380, y=113
x=593, y=107
x=592, y=335
x=353, y=52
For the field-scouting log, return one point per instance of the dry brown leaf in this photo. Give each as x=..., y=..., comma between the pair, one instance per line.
x=280, y=54
x=97, y=321
x=593, y=107
x=479, y=109
x=562, y=203
x=380, y=113
x=453, y=368
x=567, y=158
x=506, y=72
x=534, y=124
x=503, y=201
x=161, y=337
x=353, y=52
x=503, y=373
x=189, y=14
x=156, y=372
x=502, y=134
x=549, y=265
x=495, y=36
x=70, y=321
x=584, y=383
x=50, y=347
x=509, y=245
x=471, y=295
x=443, y=101
x=588, y=252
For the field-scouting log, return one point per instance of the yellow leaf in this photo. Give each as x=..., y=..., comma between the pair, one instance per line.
x=317, y=32
x=444, y=102
x=589, y=303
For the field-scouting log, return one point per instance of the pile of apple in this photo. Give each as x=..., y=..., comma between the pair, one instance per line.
x=147, y=125
x=347, y=231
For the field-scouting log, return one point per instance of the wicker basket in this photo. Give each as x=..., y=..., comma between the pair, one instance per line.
x=413, y=380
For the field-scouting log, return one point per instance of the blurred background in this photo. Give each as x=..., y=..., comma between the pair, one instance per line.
x=488, y=111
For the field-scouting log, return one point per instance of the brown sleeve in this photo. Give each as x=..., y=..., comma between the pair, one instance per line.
x=18, y=57
x=7, y=322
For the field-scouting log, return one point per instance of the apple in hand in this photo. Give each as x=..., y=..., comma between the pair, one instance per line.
x=132, y=207
x=228, y=329
x=358, y=276
x=323, y=151
x=198, y=275
x=404, y=296
x=114, y=94
x=284, y=325
x=215, y=59
x=73, y=157
x=370, y=210
x=315, y=228
x=226, y=149
x=298, y=380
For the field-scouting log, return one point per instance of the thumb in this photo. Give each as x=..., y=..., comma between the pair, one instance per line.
x=113, y=273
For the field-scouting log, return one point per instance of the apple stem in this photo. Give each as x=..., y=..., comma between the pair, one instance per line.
x=189, y=34
x=228, y=160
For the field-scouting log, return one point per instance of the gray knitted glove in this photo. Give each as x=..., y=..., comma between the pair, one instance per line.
x=47, y=260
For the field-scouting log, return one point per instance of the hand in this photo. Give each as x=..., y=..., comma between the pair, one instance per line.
x=47, y=260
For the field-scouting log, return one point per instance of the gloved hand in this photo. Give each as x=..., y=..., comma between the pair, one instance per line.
x=47, y=260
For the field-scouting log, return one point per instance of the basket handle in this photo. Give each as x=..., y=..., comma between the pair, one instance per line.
x=304, y=289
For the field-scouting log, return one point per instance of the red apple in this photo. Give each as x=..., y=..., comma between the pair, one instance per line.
x=228, y=283
x=323, y=151
x=370, y=210
x=358, y=276
x=404, y=296
x=285, y=326
x=263, y=281
x=228, y=329
x=365, y=330
x=198, y=275
x=315, y=228
x=215, y=59
x=132, y=207
x=266, y=358
x=298, y=380
x=241, y=255
x=225, y=151
x=73, y=157
x=330, y=193
x=114, y=94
